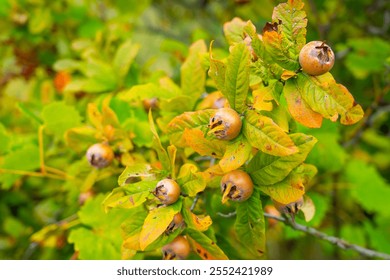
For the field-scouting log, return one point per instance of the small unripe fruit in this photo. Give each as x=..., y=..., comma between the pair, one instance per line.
x=236, y=185
x=167, y=191
x=176, y=223
x=225, y=124
x=100, y=155
x=316, y=58
x=150, y=104
x=178, y=249
x=271, y=209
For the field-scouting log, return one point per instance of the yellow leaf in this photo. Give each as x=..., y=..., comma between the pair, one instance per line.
x=308, y=208
x=237, y=153
x=262, y=98
x=205, y=147
x=201, y=223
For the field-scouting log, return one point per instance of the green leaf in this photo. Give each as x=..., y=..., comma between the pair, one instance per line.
x=40, y=20
x=206, y=248
x=234, y=30
x=368, y=187
x=133, y=171
x=266, y=169
x=293, y=26
x=293, y=186
x=26, y=158
x=237, y=77
x=124, y=56
x=264, y=134
x=237, y=153
x=145, y=91
x=323, y=95
x=198, y=119
x=196, y=139
x=161, y=152
x=78, y=138
x=129, y=196
x=190, y=180
x=157, y=222
x=59, y=117
x=4, y=139
x=98, y=238
x=217, y=71
x=131, y=228
x=193, y=75
x=250, y=225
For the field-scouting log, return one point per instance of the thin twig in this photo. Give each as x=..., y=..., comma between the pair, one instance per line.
x=228, y=215
x=331, y=239
x=30, y=173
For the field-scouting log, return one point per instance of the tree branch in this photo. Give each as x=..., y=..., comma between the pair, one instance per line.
x=331, y=239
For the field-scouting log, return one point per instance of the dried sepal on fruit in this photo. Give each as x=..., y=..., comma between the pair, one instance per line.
x=236, y=185
x=100, y=155
x=225, y=124
x=167, y=191
x=178, y=249
x=177, y=222
x=316, y=58
x=291, y=208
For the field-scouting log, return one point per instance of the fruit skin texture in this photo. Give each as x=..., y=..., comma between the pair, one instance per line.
x=178, y=249
x=225, y=124
x=236, y=185
x=100, y=155
x=316, y=58
x=167, y=191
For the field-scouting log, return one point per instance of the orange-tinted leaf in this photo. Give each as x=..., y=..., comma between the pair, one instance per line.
x=237, y=153
x=197, y=119
x=205, y=147
x=200, y=223
x=298, y=107
x=264, y=134
x=206, y=248
x=328, y=98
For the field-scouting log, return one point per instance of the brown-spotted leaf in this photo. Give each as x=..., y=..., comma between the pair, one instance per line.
x=298, y=107
x=264, y=134
x=205, y=147
x=206, y=248
x=293, y=24
x=293, y=186
x=237, y=153
x=323, y=95
x=197, y=119
x=157, y=222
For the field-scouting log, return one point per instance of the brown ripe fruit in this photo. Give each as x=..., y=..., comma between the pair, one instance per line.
x=236, y=185
x=176, y=223
x=316, y=58
x=150, y=104
x=178, y=249
x=225, y=124
x=167, y=191
x=100, y=155
x=270, y=209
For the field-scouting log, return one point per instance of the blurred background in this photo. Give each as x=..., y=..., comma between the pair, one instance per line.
x=351, y=190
